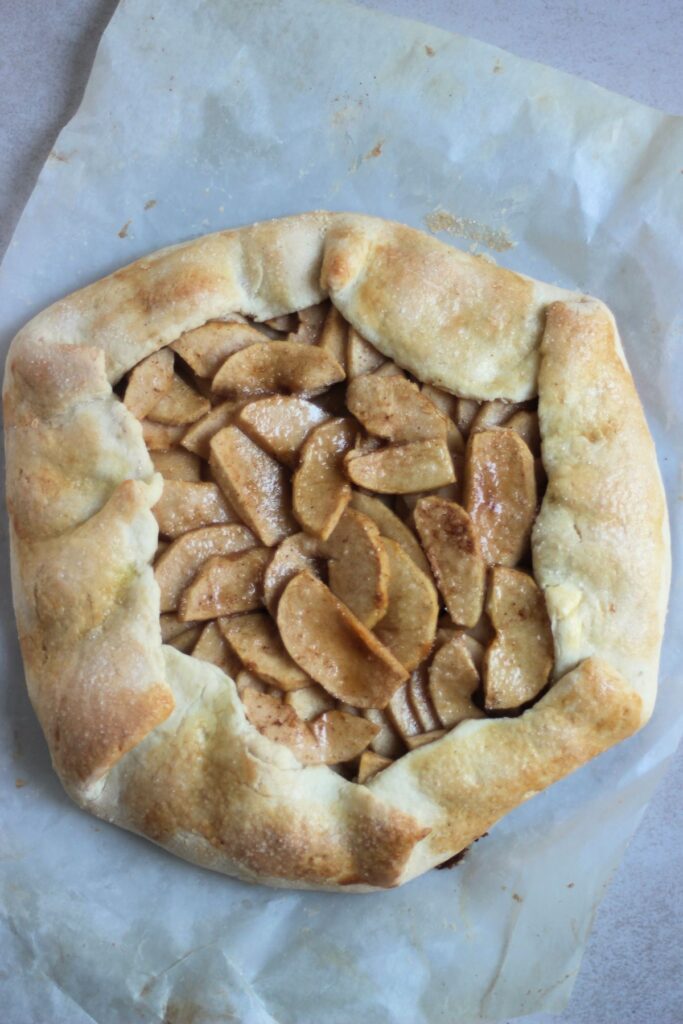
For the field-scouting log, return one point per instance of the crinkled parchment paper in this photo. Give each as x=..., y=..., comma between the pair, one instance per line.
x=210, y=113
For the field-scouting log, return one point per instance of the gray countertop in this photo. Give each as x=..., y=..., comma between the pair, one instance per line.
x=632, y=971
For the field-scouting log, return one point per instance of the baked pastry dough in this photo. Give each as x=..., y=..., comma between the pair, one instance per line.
x=158, y=742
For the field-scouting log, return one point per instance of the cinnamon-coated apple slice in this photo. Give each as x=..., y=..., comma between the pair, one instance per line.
x=500, y=494
x=361, y=356
x=402, y=468
x=408, y=626
x=371, y=764
x=182, y=560
x=334, y=647
x=226, y=585
x=331, y=738
x=255, y=484
x=177, y=464
x=148, y=381
x=393, y=408
x=180, y=405
x=359, y=567
x=320, y=490
x=518, y=663
x=283, y=366
x=280, y=424
x=206, y=348
x=451, y=544
x=185, y=505
x=453, y=679
x=256, y=642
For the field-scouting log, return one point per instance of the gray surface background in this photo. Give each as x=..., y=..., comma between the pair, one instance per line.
x=633, y=969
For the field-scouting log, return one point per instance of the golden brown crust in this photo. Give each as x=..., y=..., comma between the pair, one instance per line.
x=220, y=794
x=469, y=326
x=600, y=543
x=482, y=769
x=85, y=623
x=157, y=741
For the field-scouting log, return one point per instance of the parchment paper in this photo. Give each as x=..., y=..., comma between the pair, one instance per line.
x=212, y=113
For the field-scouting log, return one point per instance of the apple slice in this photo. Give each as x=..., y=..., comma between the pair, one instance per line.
x=408, y=627
x=177, y=465
x=256, y=642
x=402, y=468
x=278, y=721
x=443, y=400
x=255, y=484
x=393, y=408
x=148, y=381
x=310, y=326
x=285, y=323
x=500, y=494
x=452, y=547
x=525, y=423
x=280, y=424
x=389, y=525
x=359, y=567
x=371, y=764
x=160, y=437
x=334, y=334
x=333, y=647
x=320, y=490
x=171, y=627
x=180, y=405
x=197, y=438
x=413, y=742
x=366, y=443
x=388, y=369
x=453, y=679
x=226, y=585
x=402, y=716
x=466, y=413
x=278, y=366
x=247, y=680
x=183, y=559
x=185, y=506
x=451, y=492
x=206, y=348
x=493, y=414
x=211, y=647
x=309, y=702
x=418, y=695
x=518, y=663
x=361, y=356
x=387, y=742
x=340, y=737
x=332, y=738
x=186, y=641
x=482, y=634
x=293, y=555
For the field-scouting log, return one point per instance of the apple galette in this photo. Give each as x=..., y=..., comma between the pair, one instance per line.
x=331, y=545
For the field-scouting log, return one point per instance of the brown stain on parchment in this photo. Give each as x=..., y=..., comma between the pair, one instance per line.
x=497, y=239
x=183, y=1012
x=123, y=233
x=150, y=204
x=430, y=51
x=375, y=151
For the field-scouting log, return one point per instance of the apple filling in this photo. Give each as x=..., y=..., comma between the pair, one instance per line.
x=349, y=544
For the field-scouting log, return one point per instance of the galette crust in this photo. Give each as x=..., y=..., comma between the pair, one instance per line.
x=158, y=742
